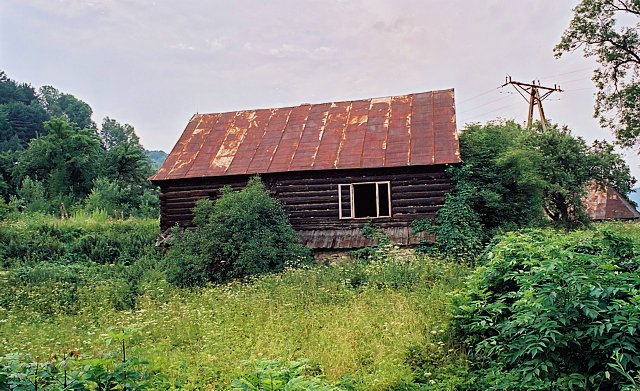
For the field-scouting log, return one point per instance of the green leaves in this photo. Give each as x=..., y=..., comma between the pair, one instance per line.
x=242, y=234
x=609, y=30
x=552, y=310
x=274, y=375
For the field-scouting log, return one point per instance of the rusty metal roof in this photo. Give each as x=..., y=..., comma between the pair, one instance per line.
x=608, y=204
x=407, y=130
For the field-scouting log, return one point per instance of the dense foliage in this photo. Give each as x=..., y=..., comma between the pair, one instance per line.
x=547, y=311
x=609, y=31
x=52, y=153
x=515, y=178
x=273, y=375
x=457, y=227
x=41, y=239
x=243, y=233
x=69, y=372
x=378, y=323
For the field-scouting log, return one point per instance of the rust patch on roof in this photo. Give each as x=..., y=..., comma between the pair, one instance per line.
x=407, y=130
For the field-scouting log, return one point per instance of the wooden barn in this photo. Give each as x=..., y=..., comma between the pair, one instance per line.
x=333, y=166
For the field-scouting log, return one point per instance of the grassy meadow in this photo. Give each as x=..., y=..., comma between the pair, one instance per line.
x=379, y=323
x=358, y=322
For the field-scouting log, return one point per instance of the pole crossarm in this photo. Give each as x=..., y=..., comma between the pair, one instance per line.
x=531, y=93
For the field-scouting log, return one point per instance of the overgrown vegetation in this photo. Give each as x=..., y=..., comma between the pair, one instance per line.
x=547, y=311
x=609, y=31
x=242, y=234
x=54, y=159
x=516, y=178
x=359, y=325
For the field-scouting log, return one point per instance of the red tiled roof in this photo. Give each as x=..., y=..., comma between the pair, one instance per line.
x=407, y=130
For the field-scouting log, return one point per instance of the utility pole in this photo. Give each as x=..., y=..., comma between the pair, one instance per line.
x=531, y=93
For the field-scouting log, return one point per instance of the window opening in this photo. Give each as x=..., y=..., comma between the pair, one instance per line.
x=364, y=200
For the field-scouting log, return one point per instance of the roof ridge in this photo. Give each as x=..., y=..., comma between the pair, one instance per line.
x=322, y=103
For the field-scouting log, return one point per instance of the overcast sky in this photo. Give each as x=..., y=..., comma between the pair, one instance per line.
x=153, y=64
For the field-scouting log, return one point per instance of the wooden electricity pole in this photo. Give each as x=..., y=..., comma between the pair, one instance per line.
x=531, y=93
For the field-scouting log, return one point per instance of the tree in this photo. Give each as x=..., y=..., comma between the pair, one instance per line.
x=113, y=133
x=59, y=104
x=569, y=166
x=515, y=176
x=505, y=172
x=67, y=160
x=11, y=91
x=20, y=123
x=609, y=30
x=125, y=159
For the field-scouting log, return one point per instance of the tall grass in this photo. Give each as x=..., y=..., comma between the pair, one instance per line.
x=355, y=321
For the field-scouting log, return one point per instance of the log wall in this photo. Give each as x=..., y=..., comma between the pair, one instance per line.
x=310, y=198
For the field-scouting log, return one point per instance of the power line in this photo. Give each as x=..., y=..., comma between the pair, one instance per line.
x=534, y=98
x=489, y=112
x=479, y=95
x=486, y=104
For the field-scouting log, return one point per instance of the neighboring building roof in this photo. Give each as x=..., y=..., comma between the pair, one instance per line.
x=407, y=130
x=608, y=205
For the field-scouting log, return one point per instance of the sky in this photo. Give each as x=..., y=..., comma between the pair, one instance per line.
x=153, y=64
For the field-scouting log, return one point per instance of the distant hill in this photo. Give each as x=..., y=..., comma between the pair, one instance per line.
x=156, y=158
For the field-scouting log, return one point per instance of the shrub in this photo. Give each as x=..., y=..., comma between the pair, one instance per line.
x=71, y=372
x=457, y=227
x=107, y=195
x=274, y=375
x=31, y=240
x=242, y=234
x=548, y=311
x=32, y=197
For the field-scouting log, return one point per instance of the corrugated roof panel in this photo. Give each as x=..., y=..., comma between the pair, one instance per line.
x=171, y=160
x=332, y=136
x=399, y=139
x=375, y=139
x=200, y=165
x=311, y=135
x=417, y=129
x=290, y=139
x=422, y=130
x=269, y=143
x=186, y=153
x=257, y=126
x=350, y=153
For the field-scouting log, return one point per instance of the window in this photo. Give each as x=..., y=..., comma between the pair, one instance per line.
x=364, y=200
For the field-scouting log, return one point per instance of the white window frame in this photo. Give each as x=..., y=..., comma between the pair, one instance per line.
x=352, y=203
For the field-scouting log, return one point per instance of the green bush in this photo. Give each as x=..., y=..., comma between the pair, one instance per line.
x=553, y=312
x=242, y=234
x=275, y=375
x=459, y=233
x=35, y=239
x=32, y=197
x=71, y=372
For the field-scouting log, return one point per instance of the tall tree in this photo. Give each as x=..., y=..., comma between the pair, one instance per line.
x=516, y=174
x=58, y=104
x=114, y=133
x=67, y=160
x=125, y=159
x=609, y=30
x=505, y=173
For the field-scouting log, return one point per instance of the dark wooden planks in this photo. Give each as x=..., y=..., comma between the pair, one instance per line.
x=311, y=198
